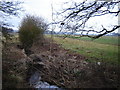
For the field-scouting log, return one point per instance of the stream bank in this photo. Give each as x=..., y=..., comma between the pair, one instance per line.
x=35, y=65
x=61, y=68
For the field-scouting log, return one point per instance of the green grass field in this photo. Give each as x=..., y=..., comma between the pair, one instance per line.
x=102, y=49
x=114, y=40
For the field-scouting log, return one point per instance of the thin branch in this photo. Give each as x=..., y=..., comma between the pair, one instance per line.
x=78, y=15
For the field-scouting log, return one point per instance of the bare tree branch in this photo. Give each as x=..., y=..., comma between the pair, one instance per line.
x=7, y=9
x=76, y=17
x=10, y=8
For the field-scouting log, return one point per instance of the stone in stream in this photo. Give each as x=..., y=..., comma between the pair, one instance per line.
x=35, y=81
x=41, y=84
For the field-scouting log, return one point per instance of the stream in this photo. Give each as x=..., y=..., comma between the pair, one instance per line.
x=35, y=81
x=35, y=77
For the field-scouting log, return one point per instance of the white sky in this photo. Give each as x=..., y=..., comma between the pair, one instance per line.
x=37, y=7
x=43, y=8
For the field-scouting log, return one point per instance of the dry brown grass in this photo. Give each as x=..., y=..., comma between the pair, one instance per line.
x=13, y=67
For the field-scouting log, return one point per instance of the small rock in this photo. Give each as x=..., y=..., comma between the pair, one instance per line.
x=54, y=48
x=38, y=65
x=98, y=63
x=35, y=58
x=84, y=62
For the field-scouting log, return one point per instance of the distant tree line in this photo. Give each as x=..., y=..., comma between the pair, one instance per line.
x=115, y=34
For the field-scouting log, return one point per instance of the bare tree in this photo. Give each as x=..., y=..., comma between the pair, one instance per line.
x=7, y=9
x=76, y=17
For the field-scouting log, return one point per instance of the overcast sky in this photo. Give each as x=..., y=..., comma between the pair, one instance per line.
x=38, y=8
x=43, y=8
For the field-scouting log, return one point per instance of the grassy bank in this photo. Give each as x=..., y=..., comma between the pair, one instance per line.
x=102, y=49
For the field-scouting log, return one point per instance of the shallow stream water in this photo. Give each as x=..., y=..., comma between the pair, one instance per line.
x=35, y=78
x=35, y=81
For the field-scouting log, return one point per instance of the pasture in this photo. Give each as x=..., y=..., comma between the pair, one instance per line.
x=113, y=40
x=104, y=49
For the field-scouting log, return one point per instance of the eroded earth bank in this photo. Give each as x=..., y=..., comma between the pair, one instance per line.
x=48, y=65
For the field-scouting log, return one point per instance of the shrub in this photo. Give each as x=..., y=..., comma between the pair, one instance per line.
x=31, y=28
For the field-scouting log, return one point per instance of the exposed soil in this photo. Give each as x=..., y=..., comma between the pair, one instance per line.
x=62, y=67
